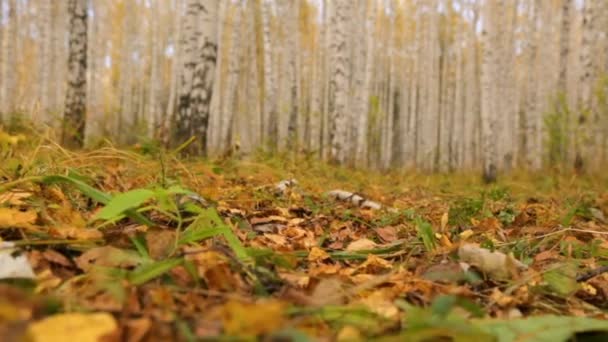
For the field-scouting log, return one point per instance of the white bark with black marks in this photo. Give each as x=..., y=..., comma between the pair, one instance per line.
x=74, y=119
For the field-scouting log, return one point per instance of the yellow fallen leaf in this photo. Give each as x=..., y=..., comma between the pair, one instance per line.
x=14, y=197
x=317, y=254
x=381, y=302
x=466, y=234
x=72, y=327
x=375, y=264
x=13, y=218
x=253, y=319
x=70, y=232
x=361, y=244
x=349, y=333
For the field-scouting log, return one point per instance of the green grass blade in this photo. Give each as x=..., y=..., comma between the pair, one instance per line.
x=95, y=194
x=123, y=202
x=209, y=224
x=147, y=272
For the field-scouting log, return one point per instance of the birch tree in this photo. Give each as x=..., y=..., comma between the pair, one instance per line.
x=488, y=102
x=339, y=80
x=196, y=83
x=74, y=119
x=586, y=85
x=9, y=45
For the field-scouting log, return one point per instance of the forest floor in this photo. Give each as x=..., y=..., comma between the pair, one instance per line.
x=139, y=245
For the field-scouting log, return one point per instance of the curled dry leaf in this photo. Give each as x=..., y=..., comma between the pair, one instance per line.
x=497, y=265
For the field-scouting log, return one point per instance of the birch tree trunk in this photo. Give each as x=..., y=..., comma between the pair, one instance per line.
x=488, y=108
x=154, y=117
x=294, y=75
x=270, y=92
x=7, y=97
x=46, y=55
x=339, y=80
x=196, y=83
x=230, y=91
x=364, y=97
x=180, y=42
x=586, y=86
x=74, y=119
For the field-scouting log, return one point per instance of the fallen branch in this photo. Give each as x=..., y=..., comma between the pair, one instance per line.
x=593, y=273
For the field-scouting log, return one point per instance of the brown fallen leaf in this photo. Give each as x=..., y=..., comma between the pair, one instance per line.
x=388, y=234
x=160, y=242
x=329, y=291
x=136, y=329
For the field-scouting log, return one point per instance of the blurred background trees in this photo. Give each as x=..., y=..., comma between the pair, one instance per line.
x=437, y=85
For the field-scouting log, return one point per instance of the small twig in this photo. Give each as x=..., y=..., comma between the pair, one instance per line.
x=590, y=274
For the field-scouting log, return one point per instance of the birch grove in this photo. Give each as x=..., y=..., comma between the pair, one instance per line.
x=437, y=85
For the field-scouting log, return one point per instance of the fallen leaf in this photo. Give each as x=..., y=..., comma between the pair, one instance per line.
x=329, y=291
x=374, y=264
x=295, y=279
x=13, y=218
x=381, y=303
x=137, y=329
x=488, y=224
x=14, y=198
x=253, y=319
x=73, y=327
x=388, y=234
x=349, y=333
x=56, y=258
x=77, y=233
x=448, y=272
x=160, y=242
x=545, y=255
x=106, y=256
x=361, y=245
x=317, y=255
